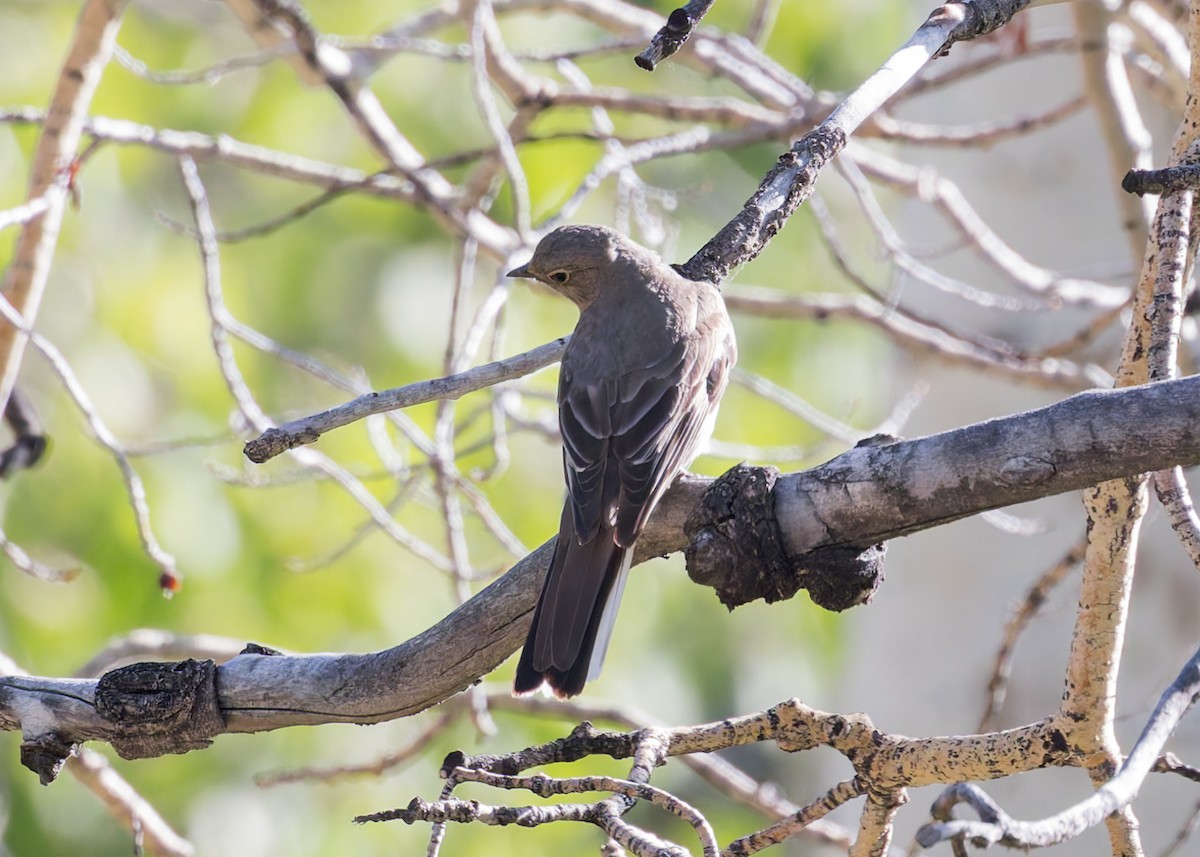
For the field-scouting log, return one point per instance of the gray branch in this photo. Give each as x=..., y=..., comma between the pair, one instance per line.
x=867, y=495
x=290, y=435
x=673, y=34
x=791, y=180
x=997, y=827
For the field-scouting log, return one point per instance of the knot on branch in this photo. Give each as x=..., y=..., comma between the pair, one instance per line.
x=736, y=547
x=160, y=708
x=734, y=542
x=838, y=578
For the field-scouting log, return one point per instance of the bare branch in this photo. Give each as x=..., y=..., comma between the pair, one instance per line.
x=1125, y=134
x=1176, y=248
x=25, y=279
x=290, y=435
x=791, y=180
x=673, y=34
x=765, y=798
x=915, y=334
x=789, y=827
x=130, y=809
x=927, y=185
x=900, y=488
x=982, y=134
x=42, y=571
x=1033, y=601
x=544, y=786
x=996, y=827
x=169, y=578
x=1182, y=177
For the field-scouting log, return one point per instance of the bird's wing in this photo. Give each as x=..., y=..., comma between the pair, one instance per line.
x=625, y=439
x=585, y=420
x=652, y=449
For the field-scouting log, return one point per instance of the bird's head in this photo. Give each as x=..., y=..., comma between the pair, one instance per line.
x=573, y=260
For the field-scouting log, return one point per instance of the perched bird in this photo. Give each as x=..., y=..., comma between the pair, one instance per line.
x=637, y=395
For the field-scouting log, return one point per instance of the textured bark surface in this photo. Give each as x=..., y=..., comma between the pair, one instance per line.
x=828, y=520
x=736, y=547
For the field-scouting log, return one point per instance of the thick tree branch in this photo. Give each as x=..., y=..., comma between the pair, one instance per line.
x=864, y=496
x=132, y=810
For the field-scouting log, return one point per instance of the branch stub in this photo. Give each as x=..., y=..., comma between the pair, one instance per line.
x=46, y=755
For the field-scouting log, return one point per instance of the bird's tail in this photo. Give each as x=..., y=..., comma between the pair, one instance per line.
x=574, y=618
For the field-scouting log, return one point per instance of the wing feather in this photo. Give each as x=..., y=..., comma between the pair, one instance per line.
x=657, y=456
x=625, y=439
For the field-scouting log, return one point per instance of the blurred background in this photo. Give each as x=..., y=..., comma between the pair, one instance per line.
x=376, y=288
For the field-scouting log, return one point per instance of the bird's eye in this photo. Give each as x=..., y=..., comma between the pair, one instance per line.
x=560, y=276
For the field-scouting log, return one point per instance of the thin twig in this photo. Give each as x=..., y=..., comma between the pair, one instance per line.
x=35, y=568
x=982, y=134
x=1035, y=598
x=787, y=828
x=221, y=321
x=375, y=767
x=169, y=576
x=298, y=432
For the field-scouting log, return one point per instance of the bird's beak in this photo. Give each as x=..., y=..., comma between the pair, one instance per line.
x=522, y=271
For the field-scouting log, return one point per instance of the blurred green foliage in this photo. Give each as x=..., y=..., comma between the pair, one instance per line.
x=364, y=285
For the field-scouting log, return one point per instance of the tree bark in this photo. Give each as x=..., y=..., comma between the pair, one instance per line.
x=871, y=493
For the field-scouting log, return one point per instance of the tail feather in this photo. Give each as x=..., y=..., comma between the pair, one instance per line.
x=608, y=618
x=573, y=621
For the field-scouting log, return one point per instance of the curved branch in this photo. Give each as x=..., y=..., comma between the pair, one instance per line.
x=866, y=495
x=995, y=827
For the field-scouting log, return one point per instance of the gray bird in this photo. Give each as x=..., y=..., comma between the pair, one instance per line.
x=637, y=395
